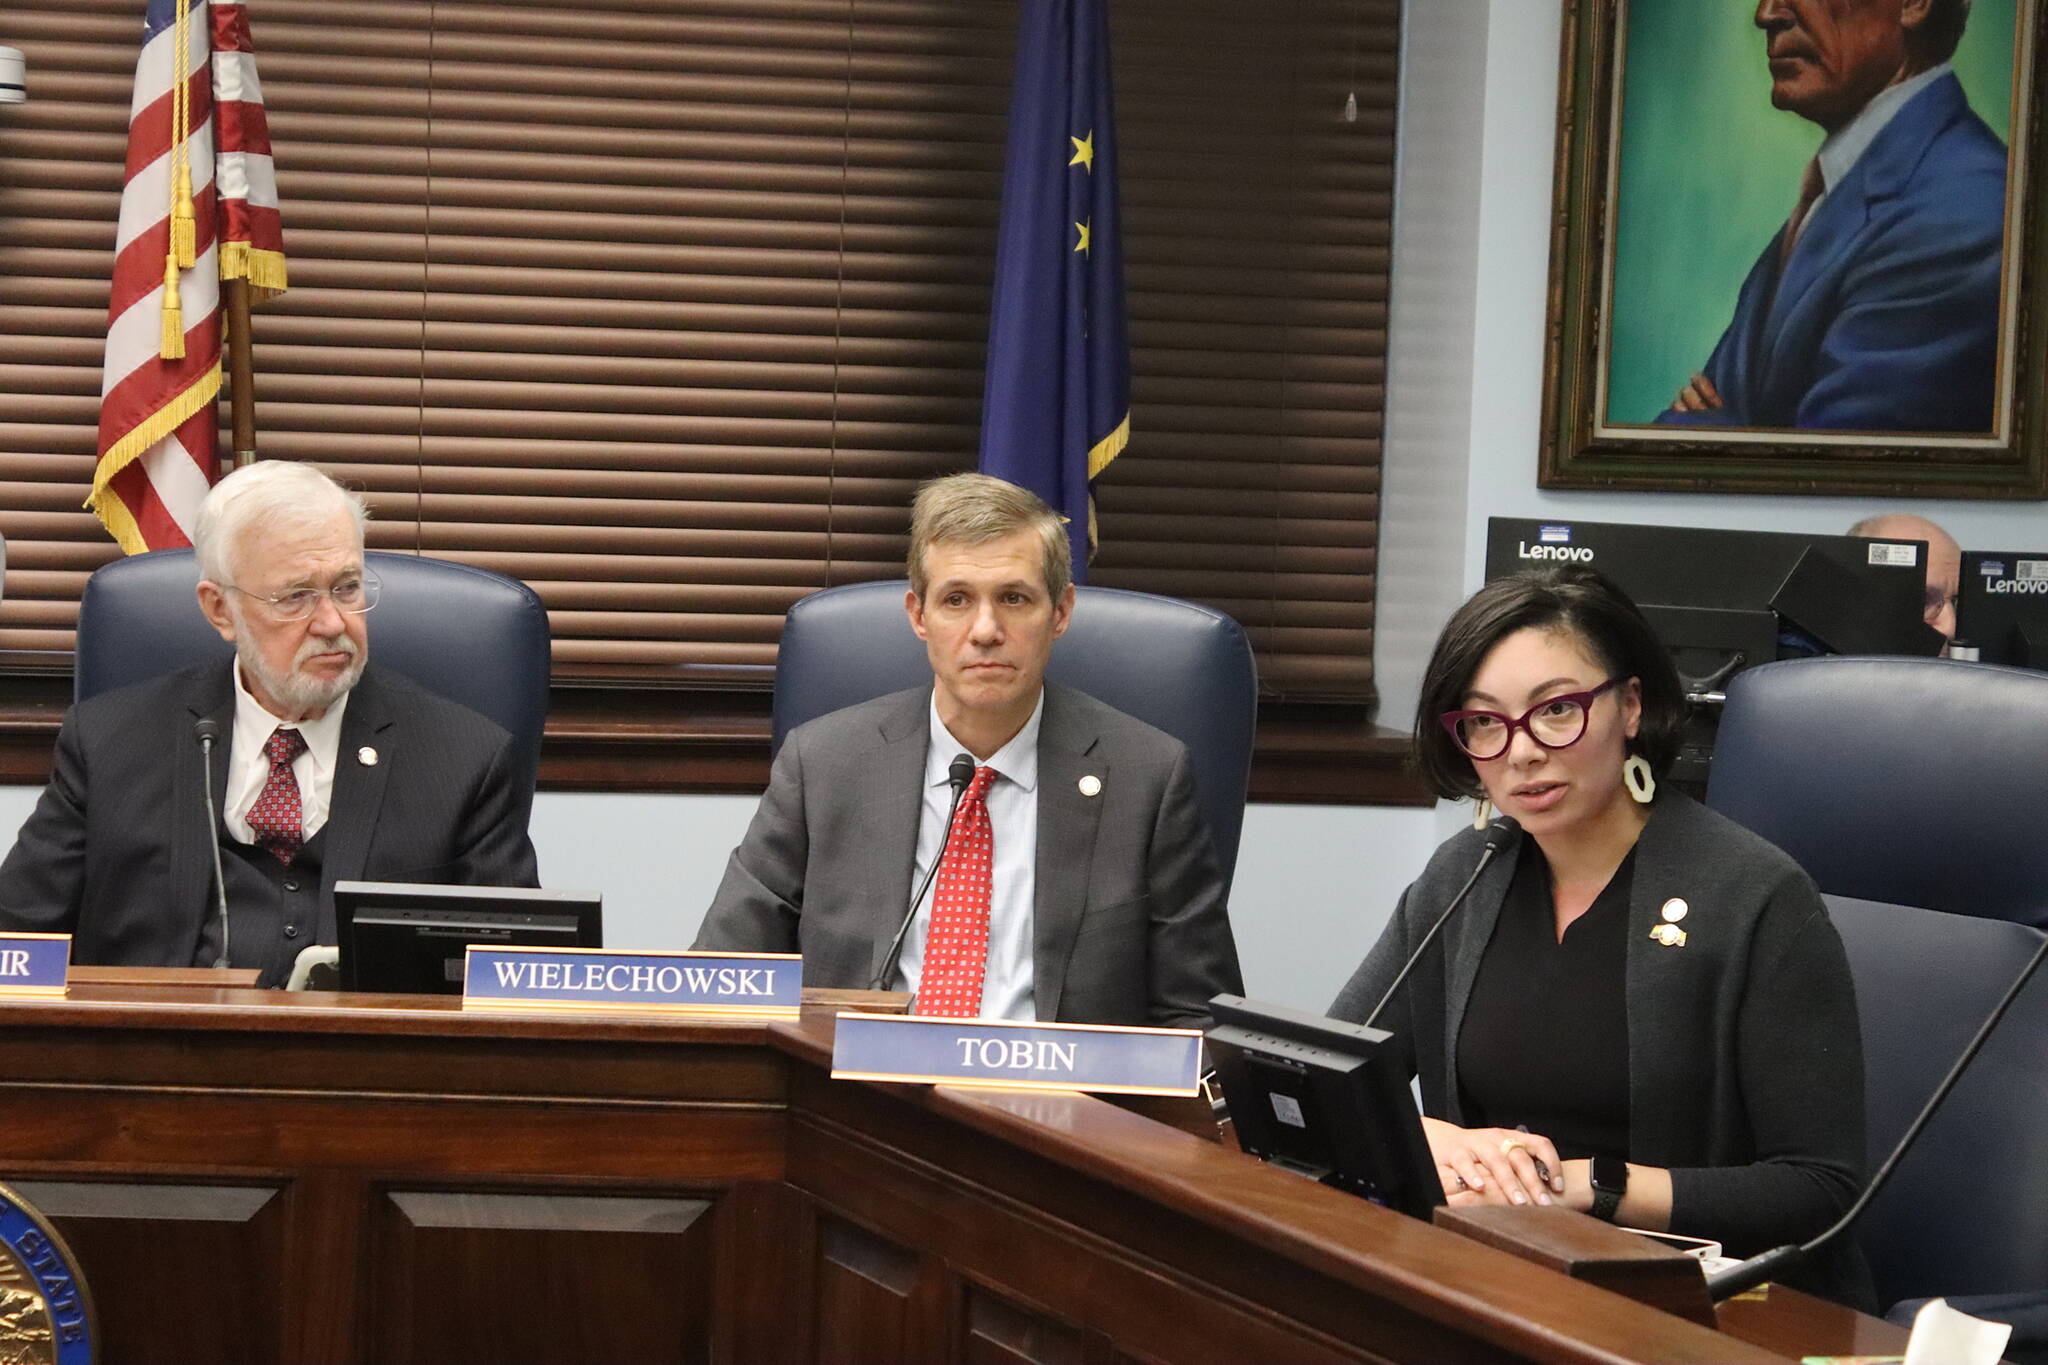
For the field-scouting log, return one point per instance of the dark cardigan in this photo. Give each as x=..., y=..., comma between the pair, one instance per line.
x=1745, y=1061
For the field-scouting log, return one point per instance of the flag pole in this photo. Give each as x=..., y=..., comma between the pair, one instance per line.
x=241, y=370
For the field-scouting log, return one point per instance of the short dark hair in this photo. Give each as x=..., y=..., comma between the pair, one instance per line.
x=1570, y=598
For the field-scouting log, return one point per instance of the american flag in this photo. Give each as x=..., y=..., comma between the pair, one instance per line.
x=198, y=205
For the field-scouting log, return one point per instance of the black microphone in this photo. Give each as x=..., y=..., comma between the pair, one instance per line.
x=1497, y=837
x=1771, y=1264
x=959, y=773
x=208, y=731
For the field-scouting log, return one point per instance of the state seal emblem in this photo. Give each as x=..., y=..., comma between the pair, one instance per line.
x=45, y=1315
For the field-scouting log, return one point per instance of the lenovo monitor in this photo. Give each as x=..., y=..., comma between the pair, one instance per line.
x=2002, y=606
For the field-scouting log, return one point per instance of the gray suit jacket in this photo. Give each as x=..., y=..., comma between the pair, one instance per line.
x=1129, y=924
x=1745, y=1061
x=115, y=852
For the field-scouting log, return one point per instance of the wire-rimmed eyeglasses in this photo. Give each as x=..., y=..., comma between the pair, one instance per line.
x=1555, y=722
x=352, y=593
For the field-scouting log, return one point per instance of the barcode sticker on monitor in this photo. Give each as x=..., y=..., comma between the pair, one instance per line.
x=2030, y=570
x=1904, y=555
x=1287, y=1109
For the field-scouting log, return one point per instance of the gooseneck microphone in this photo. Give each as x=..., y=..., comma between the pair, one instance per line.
x=959, y=773
x=1497, y=836
x=208, y=732
x=1775, y=1262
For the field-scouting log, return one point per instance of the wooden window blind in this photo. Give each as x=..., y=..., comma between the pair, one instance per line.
x=665, y=306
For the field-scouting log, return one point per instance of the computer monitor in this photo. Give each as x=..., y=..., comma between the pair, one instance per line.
x=412, y=938
x=1324, y=1099
x=2002, y=606
x=1722, y=601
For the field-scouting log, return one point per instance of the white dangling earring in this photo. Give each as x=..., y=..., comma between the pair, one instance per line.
x=1482, y=811
x=1635, y=775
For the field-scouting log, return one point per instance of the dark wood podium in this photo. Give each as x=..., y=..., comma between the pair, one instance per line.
x=249, y=1176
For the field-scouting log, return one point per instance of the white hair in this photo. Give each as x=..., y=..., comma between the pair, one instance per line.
x=264, y=497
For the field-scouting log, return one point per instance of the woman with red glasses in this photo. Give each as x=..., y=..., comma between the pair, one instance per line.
x=1641, y=1010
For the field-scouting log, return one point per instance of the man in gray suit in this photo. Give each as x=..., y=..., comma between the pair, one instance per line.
x=325, y=769
x=1079, y=882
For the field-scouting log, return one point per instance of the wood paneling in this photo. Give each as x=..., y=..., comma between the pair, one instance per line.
x=183, y=1247
x=874, y=1297
x=339, y=1179
x=539, y=1278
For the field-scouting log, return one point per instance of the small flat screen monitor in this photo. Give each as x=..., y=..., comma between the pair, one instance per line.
x=1324, y=1099
x=412, y=938
x=2002, y=606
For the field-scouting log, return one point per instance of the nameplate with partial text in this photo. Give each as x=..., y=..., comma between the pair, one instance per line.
x=34, y=964
x=1015, y=1056
x=767, y=985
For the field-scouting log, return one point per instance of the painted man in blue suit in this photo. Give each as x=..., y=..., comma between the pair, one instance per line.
x=1875, y=308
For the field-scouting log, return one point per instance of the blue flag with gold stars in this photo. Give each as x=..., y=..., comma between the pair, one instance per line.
x=1057, y=406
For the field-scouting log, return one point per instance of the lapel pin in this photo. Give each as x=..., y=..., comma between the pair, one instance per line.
x=367, y=756
x=1091, y=785
x=1670, y=935
x=1674, y=910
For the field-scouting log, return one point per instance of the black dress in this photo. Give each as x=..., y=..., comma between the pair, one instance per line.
x=1545, y=1039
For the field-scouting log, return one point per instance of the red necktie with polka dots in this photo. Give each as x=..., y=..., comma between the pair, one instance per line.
x=275, y=819
x=956, y=945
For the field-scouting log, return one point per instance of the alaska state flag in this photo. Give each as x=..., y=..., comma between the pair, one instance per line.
x=1057, y=407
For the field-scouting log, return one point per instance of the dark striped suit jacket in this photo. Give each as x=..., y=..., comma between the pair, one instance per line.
x=116, y=850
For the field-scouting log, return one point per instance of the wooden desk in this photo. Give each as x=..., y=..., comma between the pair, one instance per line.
x=247, y=1176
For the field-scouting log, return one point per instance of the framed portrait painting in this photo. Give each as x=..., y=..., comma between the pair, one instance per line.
x=1797, y=247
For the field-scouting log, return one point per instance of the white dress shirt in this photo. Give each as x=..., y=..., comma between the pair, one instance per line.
x=1844, y=147
x=1013, y=820
x=249, y=764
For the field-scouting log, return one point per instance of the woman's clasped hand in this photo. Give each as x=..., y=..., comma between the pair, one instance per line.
x=1494, y=1165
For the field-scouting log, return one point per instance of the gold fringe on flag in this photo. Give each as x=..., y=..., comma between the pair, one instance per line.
x=104, y=502
x=264, y=270
x=1109, y=447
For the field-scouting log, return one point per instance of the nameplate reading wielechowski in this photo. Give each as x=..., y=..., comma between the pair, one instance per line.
x=761, y=985
x=34, y=964
x=1013, y=1056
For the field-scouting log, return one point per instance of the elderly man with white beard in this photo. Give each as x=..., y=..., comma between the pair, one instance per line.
x=332, y=770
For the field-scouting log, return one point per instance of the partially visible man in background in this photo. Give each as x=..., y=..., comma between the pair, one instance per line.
x=1944, y=563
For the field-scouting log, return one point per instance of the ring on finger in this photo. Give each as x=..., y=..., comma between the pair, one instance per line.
x=1509, y=1146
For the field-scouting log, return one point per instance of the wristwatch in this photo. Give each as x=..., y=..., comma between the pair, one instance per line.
x=1610, y=1183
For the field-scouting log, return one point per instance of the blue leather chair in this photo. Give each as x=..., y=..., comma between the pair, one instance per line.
x=1184, y=668
x=1966, y=1213
x=1909, y=781
x=473, y=636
